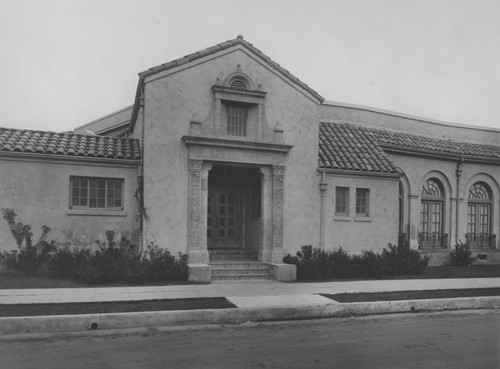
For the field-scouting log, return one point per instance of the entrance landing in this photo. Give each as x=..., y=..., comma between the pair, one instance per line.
x=237, y=264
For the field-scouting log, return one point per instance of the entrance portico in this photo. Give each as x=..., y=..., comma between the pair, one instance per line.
x=227, y=176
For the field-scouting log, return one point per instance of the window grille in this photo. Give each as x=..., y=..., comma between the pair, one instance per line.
x=236, y=120
x=431, y=216
x=479, y=216
x=239, y=83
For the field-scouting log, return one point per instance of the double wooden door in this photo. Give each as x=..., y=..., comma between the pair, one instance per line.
x=223, y=219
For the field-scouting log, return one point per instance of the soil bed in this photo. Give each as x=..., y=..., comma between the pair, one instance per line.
x=13, y=280
x=412, y=295
x=114, y=306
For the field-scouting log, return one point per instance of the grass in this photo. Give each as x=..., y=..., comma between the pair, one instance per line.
x=413, y=295
x=10, y=280
x=114, y=306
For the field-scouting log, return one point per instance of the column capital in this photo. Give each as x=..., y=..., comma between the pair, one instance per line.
x=279, y=170
x=194, y=164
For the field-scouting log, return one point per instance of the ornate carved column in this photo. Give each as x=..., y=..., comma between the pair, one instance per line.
x=197, y=250
x=265, y=249
x=278, y=199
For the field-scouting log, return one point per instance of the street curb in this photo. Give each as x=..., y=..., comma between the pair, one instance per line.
x=67, y=323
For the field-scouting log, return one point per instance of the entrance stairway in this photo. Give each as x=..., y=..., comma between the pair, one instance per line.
x=237, y=264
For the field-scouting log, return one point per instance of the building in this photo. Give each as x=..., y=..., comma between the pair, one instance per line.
x=225, y=151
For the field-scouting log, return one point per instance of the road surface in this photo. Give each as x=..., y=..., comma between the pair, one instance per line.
x=422, y=340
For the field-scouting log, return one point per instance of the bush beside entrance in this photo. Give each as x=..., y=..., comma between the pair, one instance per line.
x=318, y=264
x=111, y=262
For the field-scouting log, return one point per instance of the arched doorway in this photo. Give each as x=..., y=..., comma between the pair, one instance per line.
x=479, y=216
x=432, y=207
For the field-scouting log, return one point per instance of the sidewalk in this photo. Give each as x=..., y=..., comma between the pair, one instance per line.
x=255, y=300
x=250, y=288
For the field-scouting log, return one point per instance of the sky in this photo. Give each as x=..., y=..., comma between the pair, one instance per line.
x=64, y=63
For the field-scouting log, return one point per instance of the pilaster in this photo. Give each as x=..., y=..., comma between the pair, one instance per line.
x=197, y=249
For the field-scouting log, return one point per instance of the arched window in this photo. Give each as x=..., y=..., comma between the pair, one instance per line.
x=239, y=83
x=431, y=216
x=479, y=216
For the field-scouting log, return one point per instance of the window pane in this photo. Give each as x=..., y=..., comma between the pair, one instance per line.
x=96, y=193
x=362, y=201
x=236, y=120
x=342, y=201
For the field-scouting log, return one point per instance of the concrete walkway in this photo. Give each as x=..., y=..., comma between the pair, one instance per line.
x=254, y=301
x=254, y=290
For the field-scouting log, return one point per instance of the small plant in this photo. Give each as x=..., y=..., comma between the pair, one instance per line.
x=462, y=255
x=30, y=257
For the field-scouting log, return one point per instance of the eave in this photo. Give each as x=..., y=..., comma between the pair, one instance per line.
x=66, y=159
x=357, y=173
x=404, y=150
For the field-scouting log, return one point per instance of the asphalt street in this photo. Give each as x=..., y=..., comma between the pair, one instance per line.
x=462, y=339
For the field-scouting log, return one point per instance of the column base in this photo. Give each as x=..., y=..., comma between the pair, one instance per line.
x=199, y=273
x=284, y=272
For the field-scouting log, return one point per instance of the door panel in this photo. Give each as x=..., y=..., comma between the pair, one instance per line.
x=223, y=219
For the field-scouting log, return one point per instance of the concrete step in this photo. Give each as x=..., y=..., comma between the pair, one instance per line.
x=240, y=269
x=232, y=254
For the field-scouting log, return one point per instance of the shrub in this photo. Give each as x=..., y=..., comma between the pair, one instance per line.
x=29, y=258
x=314, y=263
x=121, y=262
x=462, y=255
x=402, y=260
x=66, y=263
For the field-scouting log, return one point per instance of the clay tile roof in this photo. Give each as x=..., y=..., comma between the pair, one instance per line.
x=226, y=45
x=68, y=144
x=349, y=147
x=432, y=144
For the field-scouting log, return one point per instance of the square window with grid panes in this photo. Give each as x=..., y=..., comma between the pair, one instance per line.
x=96, y=193
x=342, y=201
x=362, y=202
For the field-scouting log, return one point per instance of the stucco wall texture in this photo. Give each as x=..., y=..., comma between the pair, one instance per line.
x=39, y=192
x=174, y=98
x=358, y=233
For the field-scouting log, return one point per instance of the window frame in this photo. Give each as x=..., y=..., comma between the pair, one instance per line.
x=106, y=199
x=232, y=122
x=481, y=217
x=342, y=201
x=366, y=206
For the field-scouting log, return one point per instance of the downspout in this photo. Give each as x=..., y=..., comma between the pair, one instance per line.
x=140, y=179
x=322, y=187
x=458, y=174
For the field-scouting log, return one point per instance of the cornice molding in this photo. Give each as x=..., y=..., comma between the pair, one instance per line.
x=435, y=154
x=238, y=144
x=63, y=159
x=359, y=174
